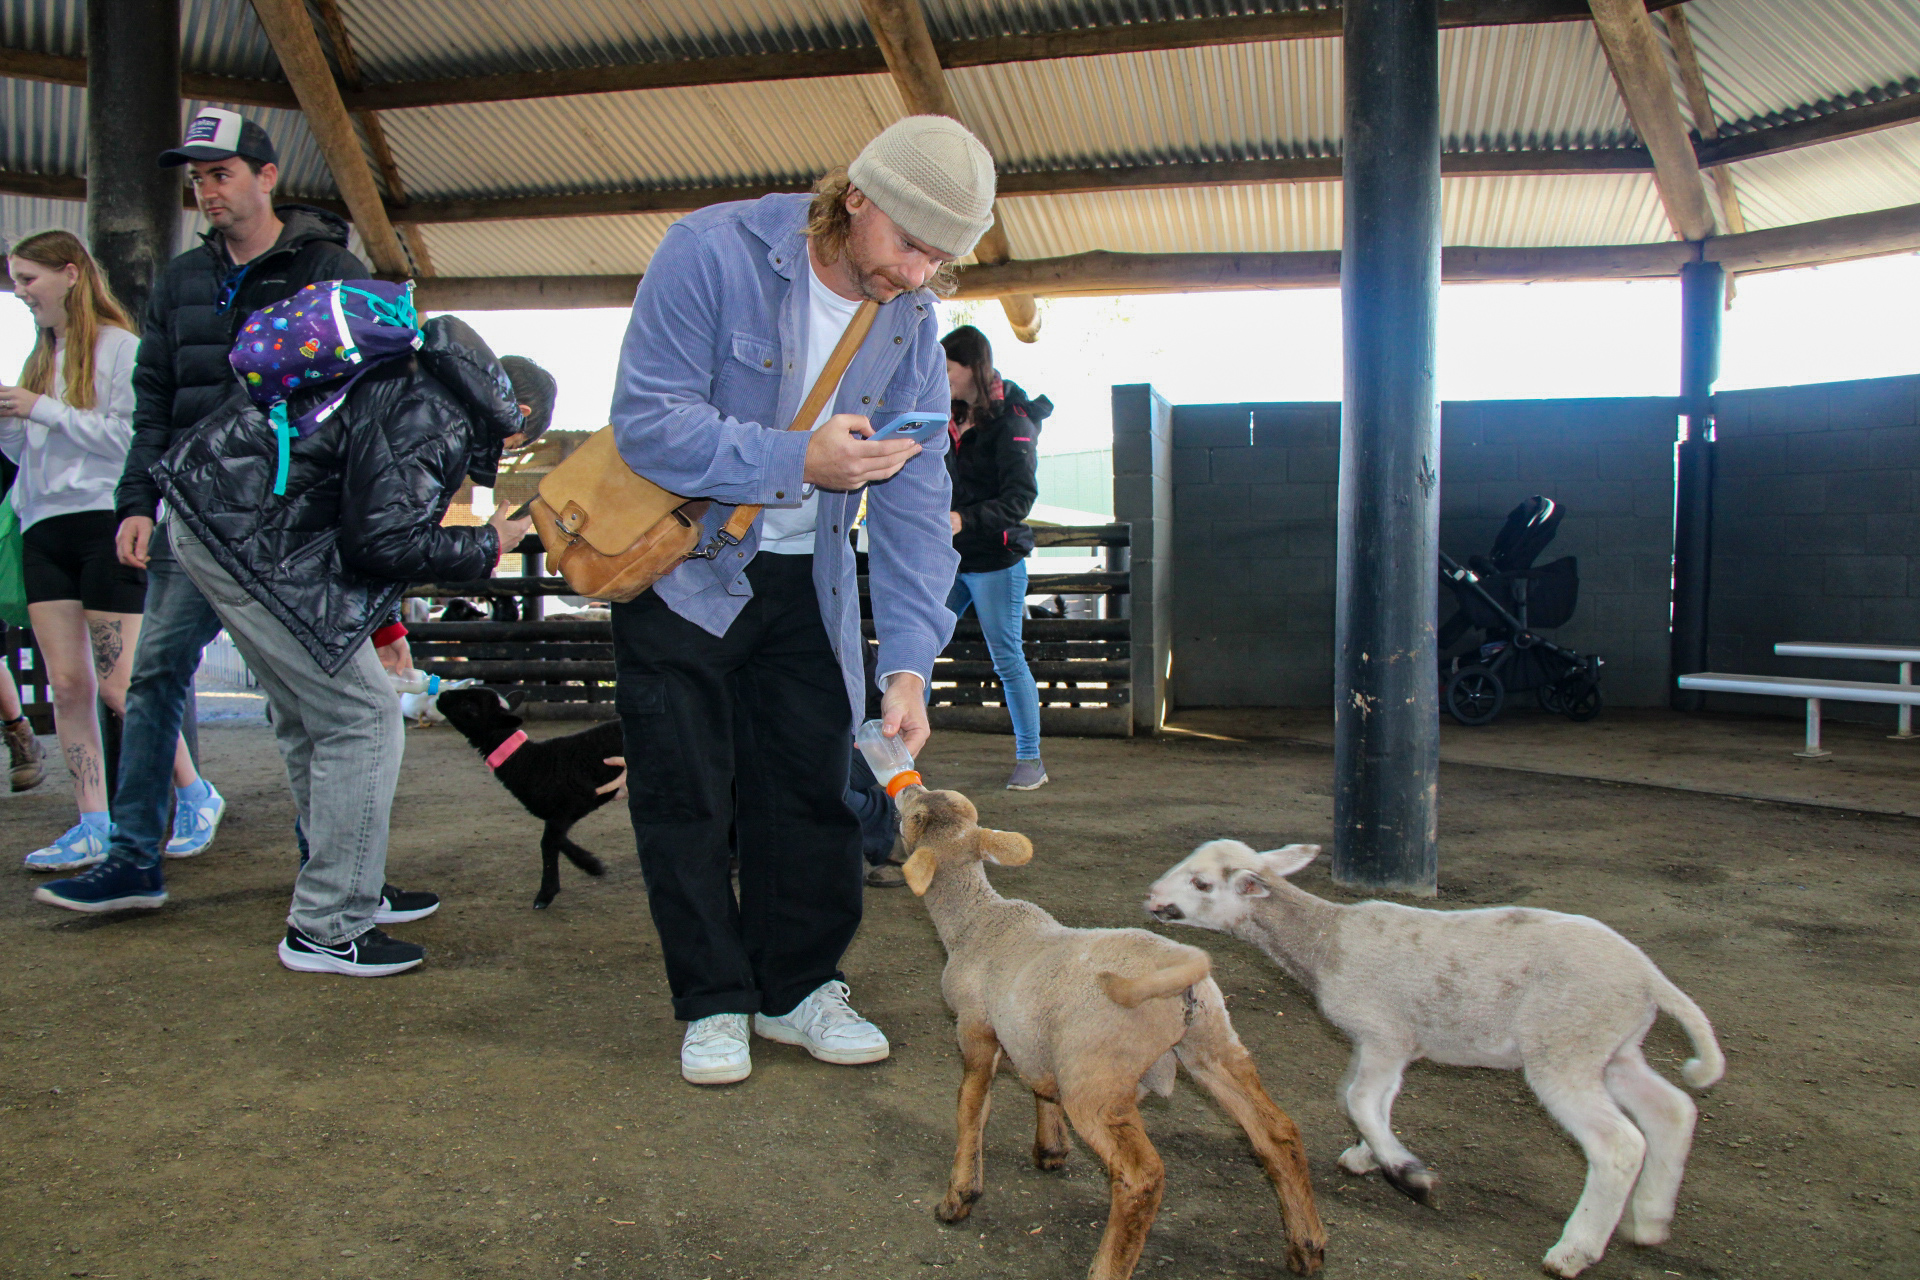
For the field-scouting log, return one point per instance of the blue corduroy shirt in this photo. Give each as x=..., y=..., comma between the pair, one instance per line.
x=711, y=374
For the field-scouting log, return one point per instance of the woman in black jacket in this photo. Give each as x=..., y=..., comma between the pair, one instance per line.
x=996, y=447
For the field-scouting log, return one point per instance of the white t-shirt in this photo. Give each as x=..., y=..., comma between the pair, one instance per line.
x=788, y=530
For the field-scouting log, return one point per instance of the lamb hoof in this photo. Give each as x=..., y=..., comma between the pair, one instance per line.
x=1566, y=1260
x=1644, y=1231
x=1048, y=1158
x=542, y=903
x=594, y=867
x=1412, y=1180
x=1358, y=1160
x=955, y=1208
x=1305, y=1257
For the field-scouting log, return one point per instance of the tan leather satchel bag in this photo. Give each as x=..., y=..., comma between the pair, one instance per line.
x=612, y=533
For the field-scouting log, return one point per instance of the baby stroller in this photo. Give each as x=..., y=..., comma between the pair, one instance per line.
x=1504, y=598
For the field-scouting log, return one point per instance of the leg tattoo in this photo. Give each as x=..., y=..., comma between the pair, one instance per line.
x=83, y=762
x=107, y=645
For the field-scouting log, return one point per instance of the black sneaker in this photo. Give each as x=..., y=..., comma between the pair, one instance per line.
x=371, y=955
x=397, y=906
x=113, y=885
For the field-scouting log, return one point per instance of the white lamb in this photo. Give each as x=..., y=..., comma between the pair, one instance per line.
x=1563, y=998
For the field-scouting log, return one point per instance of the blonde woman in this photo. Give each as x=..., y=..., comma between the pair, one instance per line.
x=68, y=426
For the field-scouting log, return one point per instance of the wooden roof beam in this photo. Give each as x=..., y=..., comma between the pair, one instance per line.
x=290, y=31
x=900, y=29
x=1705, y=123
x=1640, y=69
x=1137, y=37
x=1859, y=235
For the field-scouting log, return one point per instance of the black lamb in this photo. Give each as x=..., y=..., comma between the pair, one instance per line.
x=555, y=778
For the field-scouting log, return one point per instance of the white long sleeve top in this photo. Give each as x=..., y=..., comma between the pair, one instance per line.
x=70, y=459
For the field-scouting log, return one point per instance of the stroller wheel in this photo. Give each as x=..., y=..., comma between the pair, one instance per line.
x=1581, y=699
x=1552, y=698
x=1474, y=696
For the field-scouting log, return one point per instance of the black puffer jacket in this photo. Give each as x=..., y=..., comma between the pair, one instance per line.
x=995, y=482
x=182, y=374
x=366, y=490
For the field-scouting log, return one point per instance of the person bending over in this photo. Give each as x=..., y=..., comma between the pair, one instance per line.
x=994, y=465
x=739, y=676
x=68, y=426
x=300, y=580
x=254, y=254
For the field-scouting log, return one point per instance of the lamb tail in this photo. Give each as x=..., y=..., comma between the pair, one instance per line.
x=1707, y=1065
x=1130, y=993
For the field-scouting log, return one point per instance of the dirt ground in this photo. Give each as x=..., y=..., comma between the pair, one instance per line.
x=174, y=1104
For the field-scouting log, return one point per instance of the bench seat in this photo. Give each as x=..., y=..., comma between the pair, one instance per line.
x=1814, y=691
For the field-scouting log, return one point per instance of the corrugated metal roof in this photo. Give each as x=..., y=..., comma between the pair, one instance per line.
x=1874, y=171
x=1763, y=57
x=1512, y=87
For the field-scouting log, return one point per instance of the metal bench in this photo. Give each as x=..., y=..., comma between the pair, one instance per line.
x=1905, y=655
x=1814, y=691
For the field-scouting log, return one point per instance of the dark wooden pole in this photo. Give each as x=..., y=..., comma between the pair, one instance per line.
x=1386, y=673
x=1703, y=288
x=133, y=114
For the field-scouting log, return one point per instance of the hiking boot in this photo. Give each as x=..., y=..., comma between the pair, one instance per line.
x=28, y=757
x=1028, y=775
x=885, y=876
x=826, y=1026
x=715, y=1050
x=371, y=955
x=397, y=906
x=113, y=885
x=83, y=846
x=195, y=822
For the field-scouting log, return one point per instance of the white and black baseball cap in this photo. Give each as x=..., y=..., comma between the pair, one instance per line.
x=220, y=135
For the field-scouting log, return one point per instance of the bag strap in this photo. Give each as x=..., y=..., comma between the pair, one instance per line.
x=823, y=388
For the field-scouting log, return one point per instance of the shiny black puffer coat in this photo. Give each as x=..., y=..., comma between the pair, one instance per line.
x=182, y=374
x=366, y=490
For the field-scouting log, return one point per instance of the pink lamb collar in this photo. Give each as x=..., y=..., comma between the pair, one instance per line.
x=504, y=752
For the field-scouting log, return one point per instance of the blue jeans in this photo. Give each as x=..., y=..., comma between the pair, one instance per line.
x=177, y=625
x=1000, y=600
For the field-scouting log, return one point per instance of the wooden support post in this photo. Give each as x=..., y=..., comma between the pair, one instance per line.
x=133, y=114
x=900, y=29
x=290, y=31
x=1386, y=670
x=1705, y=122
x=1640, y=69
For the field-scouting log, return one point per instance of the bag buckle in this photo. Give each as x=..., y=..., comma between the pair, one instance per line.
x=721, y=541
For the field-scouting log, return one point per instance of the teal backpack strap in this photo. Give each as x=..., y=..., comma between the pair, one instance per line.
x=283, y=434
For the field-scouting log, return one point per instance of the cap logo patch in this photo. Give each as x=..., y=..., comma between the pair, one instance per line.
x=214, y=128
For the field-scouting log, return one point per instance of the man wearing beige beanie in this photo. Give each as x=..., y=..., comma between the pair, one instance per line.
x=740, y=674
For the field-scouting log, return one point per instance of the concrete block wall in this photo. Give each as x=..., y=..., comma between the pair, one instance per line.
x=1254, y=494
x=1816, y=531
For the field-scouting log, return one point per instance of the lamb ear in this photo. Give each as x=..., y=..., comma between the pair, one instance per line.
x=1249, y=885
x=514, y=699
x=919, y=871
x=1004, y=848
x=1284, y=862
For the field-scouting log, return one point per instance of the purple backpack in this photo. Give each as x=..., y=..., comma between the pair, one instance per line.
x=329, y=331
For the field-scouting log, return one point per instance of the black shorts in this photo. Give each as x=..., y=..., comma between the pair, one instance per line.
x=71, y=557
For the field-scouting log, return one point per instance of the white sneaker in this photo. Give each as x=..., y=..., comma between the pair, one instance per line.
x=826, y=1026
x=714, y=1050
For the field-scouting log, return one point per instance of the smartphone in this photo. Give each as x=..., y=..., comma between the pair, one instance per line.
x=917, y=427
x=522, y=511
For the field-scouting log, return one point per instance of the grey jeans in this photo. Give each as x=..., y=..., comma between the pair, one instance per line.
x=342, y=737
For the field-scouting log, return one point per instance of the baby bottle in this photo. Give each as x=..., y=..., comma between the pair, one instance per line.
x=888, y=758
x=411, y=681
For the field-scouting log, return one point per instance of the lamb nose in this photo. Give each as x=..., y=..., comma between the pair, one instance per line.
x=1168, y=912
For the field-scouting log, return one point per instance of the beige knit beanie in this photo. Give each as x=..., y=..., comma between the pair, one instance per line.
x=932, y=177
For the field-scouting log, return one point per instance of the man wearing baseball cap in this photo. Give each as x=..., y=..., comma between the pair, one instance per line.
x=740, y=674
x=254, y=255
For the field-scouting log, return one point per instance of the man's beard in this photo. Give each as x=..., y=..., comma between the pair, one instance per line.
x=874, y=286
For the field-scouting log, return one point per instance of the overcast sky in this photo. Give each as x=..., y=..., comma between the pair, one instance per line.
x=1854, y=320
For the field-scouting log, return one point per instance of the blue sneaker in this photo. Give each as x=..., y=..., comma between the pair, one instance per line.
x=82, y=847
x=113, y=885
x=194, y=824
